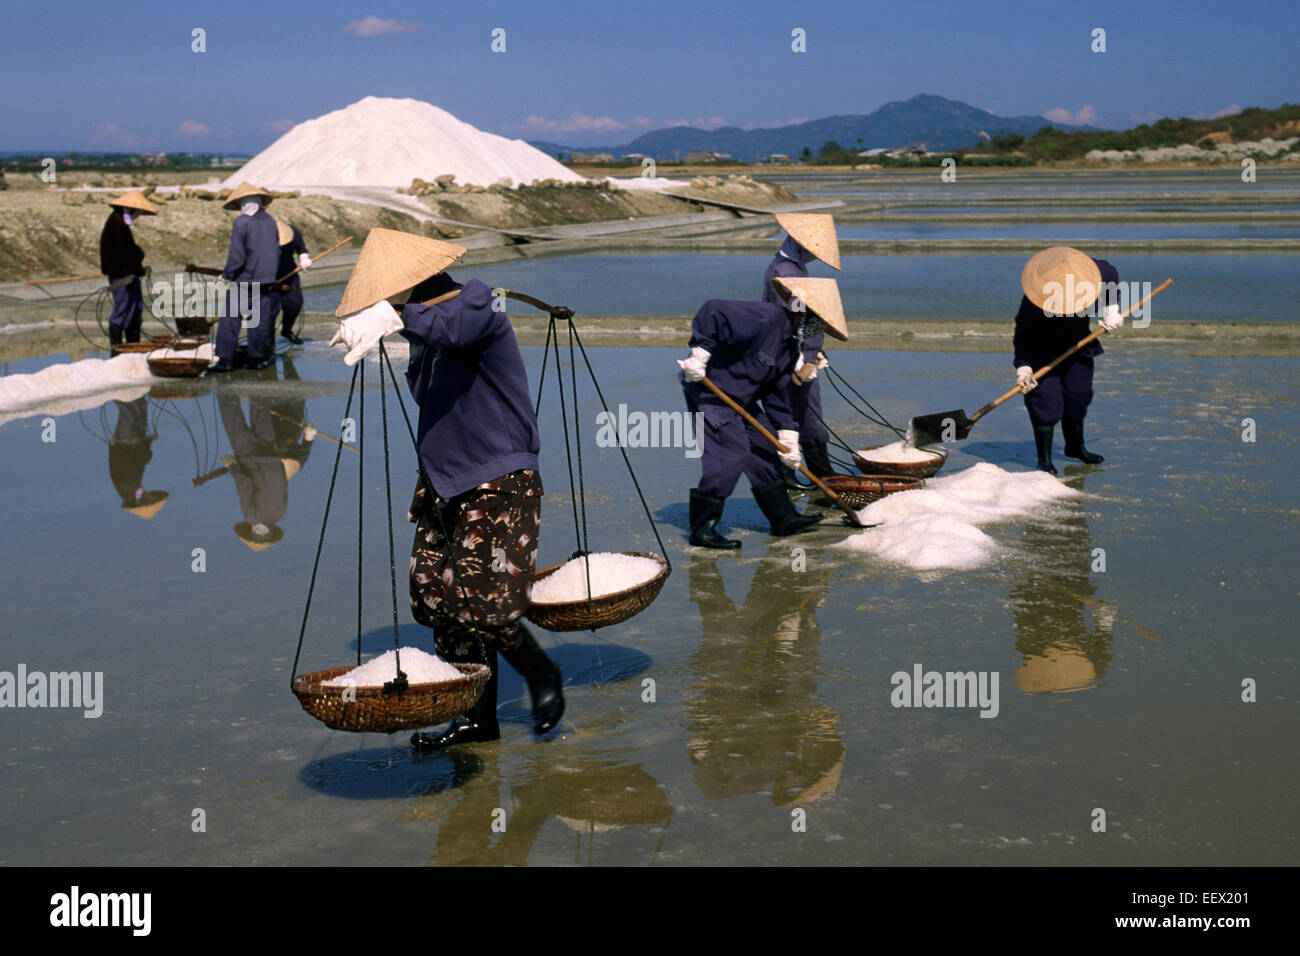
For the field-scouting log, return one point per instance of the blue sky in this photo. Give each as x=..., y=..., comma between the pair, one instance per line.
x=123, y=76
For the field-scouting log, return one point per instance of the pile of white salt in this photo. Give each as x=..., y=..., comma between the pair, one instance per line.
x=899, y=452
x=611, y=572
x=938, y=526
x=420, y=668
x=71, y=379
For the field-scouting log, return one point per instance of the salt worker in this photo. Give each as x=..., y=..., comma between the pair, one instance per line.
x=122, y=261
x=1062, y=288
x=261, y=476
x=293, y=256
x=809, y=236
x=251, y=263
x=749, y=350
x=477, y=504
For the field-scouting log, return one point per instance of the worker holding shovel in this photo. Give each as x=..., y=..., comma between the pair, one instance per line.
x=1062, y=287
x=477, y=506
x=293, y=259
x=748, y=352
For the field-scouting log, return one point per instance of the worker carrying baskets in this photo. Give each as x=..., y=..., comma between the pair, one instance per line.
x=477, y=505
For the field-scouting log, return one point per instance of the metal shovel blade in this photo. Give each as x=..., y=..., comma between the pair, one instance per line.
x=939, y=428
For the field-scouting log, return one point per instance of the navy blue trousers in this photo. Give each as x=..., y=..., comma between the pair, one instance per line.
x=290, y=306
x=128, y=308
x=731, y=447
x=261, y=336
x=1065, y=391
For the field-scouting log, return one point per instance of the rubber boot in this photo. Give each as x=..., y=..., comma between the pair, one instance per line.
x=476, y=725
x=114, y=335
x=545, y=682
x=774, y=502
x=792, y=482
x=1043, y=441
x=706, y=511
x=817, y=458
x=1072, y=431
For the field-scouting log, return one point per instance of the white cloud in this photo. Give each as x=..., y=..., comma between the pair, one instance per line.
x=1086, y=116
x=1148, y=117
x=776, y=124
x=1232, y=110
x=193, y=128
x=572, y=123
x=380, y=26
x=112, y=135
x=711, y=122
x=279, y=127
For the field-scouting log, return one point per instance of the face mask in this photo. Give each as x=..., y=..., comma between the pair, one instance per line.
x=249, y=207
x=128, y=217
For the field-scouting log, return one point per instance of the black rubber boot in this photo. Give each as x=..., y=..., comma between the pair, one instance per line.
x=220, y=366
x=114, y=335
x=706, y=512
x=792, y=482
x=476, y=725
x=817, y=458
x=774, y=502
x=545, y=682
x=1072, y=431
x=1043, y=441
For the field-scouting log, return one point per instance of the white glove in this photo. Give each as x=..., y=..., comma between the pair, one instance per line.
x=822, y=361
x=1025, y=379
x=693, y=367
x=304, y=261
x=791, y=458
x=1112, y=320
x=309, y=432
x=361, y=331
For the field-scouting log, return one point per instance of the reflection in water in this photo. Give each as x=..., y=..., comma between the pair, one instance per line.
x=129, y=451
x=390, y=773
x=1061, y=651
x=756, y=720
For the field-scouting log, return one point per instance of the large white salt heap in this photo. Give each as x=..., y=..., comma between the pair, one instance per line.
x=22, y=394
x=939, y=526
x=388, y=142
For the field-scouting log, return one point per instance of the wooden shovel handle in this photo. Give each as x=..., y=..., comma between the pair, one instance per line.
x=317, y=259
x=1100, y=330
x=731, y=403
x=318, y=431
x=97, y=275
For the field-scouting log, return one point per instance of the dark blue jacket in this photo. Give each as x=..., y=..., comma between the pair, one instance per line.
x=788, y=264
x=254, y=250
x=752, y=351
x=289, y=253
x=466, y=373
x=1039, y=338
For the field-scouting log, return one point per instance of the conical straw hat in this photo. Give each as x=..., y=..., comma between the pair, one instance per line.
x=149, y=505
x=291, y=467
x=246, y=535
x=1050, y=274
x=243, y=191
x=815, y=232
x=285, y=231
x=391, y=262
x=822, y=298
x=135, y=200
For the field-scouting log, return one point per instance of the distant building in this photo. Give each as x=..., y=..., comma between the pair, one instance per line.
x=776, y=158
x=704, y=156
x=590, y=158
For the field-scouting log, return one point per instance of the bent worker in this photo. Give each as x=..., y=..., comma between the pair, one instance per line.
x=750, y=350
x=122, y=261
x=809, y=236
x=1062, y=288
x=250, y=265
x=477, y=505
x=293, y=257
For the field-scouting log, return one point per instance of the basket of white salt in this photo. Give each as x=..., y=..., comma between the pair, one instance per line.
x=858, y=491
x=623, y=583
x=363, y=699
x=187, y=358
x=900, y=458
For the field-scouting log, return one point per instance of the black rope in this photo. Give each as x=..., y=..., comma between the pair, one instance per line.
x=585, y=544
x=361, y=486
x=876, y=418
x=399, y=683
x=311, y=587
x=546, y=354
x=568, y=453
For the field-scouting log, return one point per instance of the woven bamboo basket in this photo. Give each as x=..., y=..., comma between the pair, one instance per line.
x=155, y=342
x=373, y=711
x=193, y=324
x=179, y=366
x=907, y=469
x=604, y=610
x=858, y=491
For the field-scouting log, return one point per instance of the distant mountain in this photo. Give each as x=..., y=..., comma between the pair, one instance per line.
x=934, y=122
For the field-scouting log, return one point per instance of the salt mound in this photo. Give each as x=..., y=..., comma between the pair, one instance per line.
x=420, y=668
x=70, y=379
x=610, y=573
x=938, y=526
x=380, y=141
x=898, y=452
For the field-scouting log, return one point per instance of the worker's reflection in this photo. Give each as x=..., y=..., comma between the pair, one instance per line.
x=294, y=435
x=129, y=451
x=1061, y=650
x=756, y=720
x=582, y=787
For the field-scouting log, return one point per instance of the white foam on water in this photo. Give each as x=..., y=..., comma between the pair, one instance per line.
x=382, y=141
x=419, y=666
x=71, y=379
x=939, y=526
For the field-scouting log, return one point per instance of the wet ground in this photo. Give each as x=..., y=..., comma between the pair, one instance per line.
x=1118, y=689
